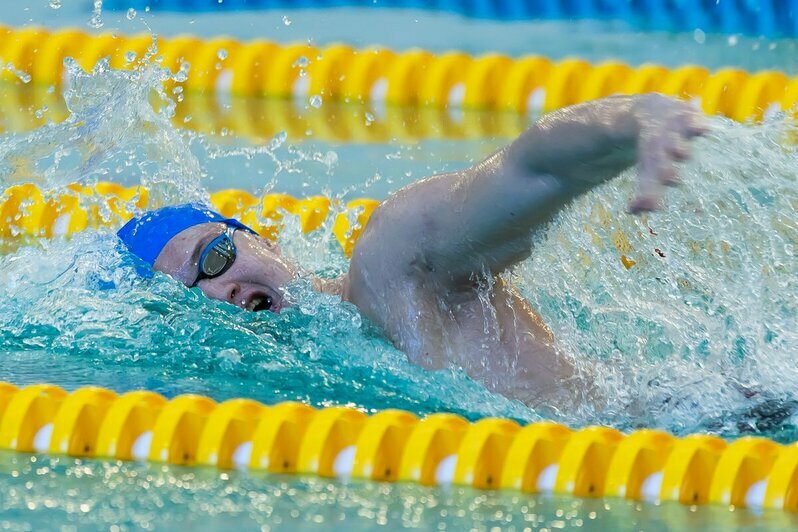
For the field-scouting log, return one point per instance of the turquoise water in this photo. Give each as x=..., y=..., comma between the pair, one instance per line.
x=698, y=335
x=46, y=493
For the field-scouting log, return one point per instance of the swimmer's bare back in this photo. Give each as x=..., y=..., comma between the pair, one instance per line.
x=432, y=250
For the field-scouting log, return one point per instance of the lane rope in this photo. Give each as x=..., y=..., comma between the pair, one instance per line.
x=394, y=445
x=414, y=77
x=25, y=212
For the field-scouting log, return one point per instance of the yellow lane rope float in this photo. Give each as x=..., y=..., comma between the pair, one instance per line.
x=394, y=445
x=26, y=212
x=339, y=72
x=260, y=119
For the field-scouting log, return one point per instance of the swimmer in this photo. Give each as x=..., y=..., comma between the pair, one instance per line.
x=426, y=267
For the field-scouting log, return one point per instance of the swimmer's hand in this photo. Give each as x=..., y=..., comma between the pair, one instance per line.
x=665, y=127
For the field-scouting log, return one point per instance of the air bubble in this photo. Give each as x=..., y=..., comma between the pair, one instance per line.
x=130, y=56
x=131, y=14
x=55, y=4
x=301, y=62
x=221, y=54
x=315, y=101
x=286, y=21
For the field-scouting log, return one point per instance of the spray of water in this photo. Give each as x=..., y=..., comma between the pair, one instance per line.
x=696, y=331
x=79, y=303
x=698, y=328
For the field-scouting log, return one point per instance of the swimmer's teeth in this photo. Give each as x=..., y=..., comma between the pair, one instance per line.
x=254, y=303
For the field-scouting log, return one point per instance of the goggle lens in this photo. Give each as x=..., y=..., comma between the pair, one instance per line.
x=218, y=256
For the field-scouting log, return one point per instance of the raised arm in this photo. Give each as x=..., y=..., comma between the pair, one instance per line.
x=451, y=227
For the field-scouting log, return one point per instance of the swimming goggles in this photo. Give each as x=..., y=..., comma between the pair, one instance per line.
x=218, y=256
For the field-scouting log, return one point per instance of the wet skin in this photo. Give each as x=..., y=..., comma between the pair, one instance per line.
x=254, y=280
x=426, y=267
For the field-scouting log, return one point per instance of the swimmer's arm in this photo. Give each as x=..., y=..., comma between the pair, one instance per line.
x=458, y=225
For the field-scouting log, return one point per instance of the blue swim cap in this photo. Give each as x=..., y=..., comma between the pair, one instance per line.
x=146, y=235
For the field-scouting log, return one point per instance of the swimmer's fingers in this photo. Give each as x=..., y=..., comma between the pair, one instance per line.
x=685, y=126
x=654, y=167
x=694, y=124
x=660, y=147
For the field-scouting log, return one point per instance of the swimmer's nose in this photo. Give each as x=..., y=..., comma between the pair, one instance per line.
x=233, y=292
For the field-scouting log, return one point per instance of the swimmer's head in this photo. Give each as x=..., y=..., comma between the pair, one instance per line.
x=223, y=257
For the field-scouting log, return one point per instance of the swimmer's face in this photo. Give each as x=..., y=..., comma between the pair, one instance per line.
x=253, y=282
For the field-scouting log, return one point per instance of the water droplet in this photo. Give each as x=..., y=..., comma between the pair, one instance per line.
x=315, y=101
x=278, y=140
x=55, y=4
x=699, y=36
x=221, y=54
x=131, y=14
x=301, y=62
x=286, y=21
x=130, y=56
x=369, y=119
x=96, y=20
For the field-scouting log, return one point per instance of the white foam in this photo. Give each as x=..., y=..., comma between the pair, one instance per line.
x=771, y=111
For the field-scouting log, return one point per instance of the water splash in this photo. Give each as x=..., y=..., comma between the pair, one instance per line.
x=675, y=341
x=159, y=335
x=113, y=132
x=96, y=20
x=699, y=331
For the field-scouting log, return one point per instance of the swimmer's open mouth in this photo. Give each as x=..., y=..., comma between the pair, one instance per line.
x=259, y=303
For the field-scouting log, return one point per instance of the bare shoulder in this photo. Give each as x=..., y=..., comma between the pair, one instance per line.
x=381, y=263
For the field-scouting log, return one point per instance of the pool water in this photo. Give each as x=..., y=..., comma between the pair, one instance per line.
x=47, y=493
x=698, y=335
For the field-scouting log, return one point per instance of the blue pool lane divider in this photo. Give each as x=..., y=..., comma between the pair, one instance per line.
x=769, y=18
x=393, y=445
